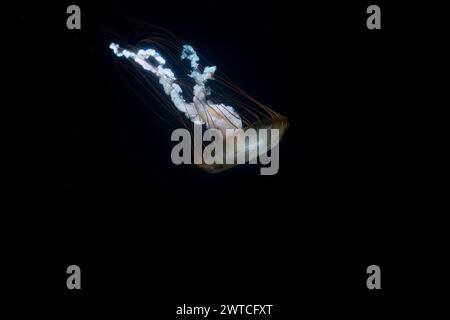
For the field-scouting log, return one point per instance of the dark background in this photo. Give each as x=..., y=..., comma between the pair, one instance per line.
x=90, y=180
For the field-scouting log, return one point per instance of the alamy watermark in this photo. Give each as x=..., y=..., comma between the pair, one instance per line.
x=234, y=146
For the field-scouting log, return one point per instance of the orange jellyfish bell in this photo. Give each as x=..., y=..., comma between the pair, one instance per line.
x=250, y=149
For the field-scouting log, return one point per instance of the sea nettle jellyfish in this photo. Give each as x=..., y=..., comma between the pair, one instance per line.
x=240, y=128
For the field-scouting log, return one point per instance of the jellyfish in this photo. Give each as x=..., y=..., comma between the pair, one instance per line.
x=240, y=128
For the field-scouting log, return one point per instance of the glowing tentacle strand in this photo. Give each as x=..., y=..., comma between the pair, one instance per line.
x=200, y=110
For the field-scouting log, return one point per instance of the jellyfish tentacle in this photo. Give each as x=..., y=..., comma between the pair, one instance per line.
x=201, y=110
x=223, y=117
x=166, y=78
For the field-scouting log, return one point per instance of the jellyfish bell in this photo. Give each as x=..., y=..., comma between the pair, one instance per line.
x=267, y=135
x=239, y=128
